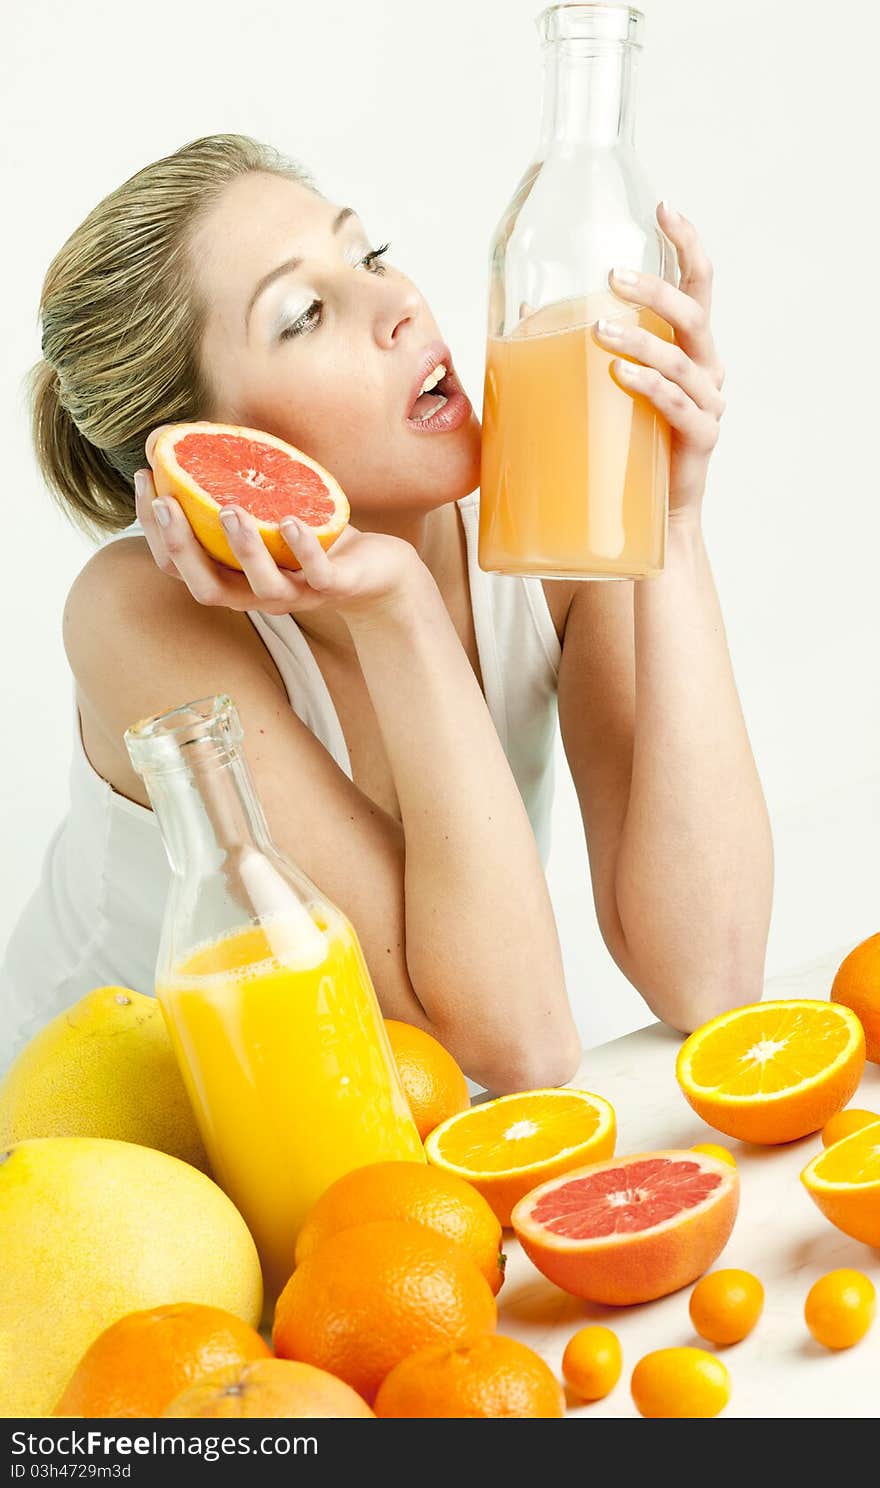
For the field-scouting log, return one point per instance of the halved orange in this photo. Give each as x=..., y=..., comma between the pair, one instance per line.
x=506, y=1146
x=773, y=1071
x=844, y=1181
x=207, y=466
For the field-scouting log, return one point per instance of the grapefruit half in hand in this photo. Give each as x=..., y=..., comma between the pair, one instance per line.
x=632, y=1228
x=208, y=466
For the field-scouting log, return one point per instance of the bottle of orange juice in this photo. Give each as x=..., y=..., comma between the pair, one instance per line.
x=264, y=989
x=575, y=470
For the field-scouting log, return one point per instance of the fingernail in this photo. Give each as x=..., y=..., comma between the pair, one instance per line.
x=626, y=369
x=230, y=523
x=139, y=479
x=626, y=276
x=673, y=216
x=610, y=329
x=293, y=526
x=161, y=513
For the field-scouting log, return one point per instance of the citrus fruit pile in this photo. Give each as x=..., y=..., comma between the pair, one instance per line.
x=392, y=1309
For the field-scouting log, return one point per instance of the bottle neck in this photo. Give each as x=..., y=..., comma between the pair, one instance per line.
x=589, y=96
x=208, y=813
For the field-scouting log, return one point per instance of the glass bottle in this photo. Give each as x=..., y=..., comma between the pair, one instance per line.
x=575, y=470
x=265, y=991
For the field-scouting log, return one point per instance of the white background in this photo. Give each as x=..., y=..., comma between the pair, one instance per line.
x=759, y=121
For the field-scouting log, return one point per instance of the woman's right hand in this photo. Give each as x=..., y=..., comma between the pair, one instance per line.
x=363, y=572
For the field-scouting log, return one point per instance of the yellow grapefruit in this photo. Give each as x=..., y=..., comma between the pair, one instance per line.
x=103, y=1068
x=91, y=1230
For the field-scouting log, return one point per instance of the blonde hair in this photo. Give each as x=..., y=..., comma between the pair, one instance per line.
x=122, y=323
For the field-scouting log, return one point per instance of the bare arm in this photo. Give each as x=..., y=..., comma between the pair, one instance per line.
x=482, y=946
x=679, y=840
x=436, y=961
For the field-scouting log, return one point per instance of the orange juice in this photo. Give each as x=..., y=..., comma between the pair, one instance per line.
x=289, y=1070
x=575, y=471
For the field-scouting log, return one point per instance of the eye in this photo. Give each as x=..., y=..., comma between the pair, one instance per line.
x=371, y=259
x=312, y=315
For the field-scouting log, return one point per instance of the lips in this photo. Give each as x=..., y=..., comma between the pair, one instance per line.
x=432, y=356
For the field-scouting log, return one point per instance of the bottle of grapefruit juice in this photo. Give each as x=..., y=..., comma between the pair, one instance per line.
x=265, y=991
x=575, y=468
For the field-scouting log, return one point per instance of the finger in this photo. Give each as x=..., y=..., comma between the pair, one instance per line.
x=621, y=335
x=144, y=499
x=208, y=582
x=687, y=317
x=695, y=268
x=316, y=565
x=698, y=428
x=269, y=583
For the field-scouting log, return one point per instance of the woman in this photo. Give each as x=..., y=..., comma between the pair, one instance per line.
x=398, y=704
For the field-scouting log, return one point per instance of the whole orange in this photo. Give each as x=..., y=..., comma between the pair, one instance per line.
x=269, y=1388
x=857, y=986
x=409, y=1191
x=434, y=1085
x=493, y=1377
x=138, y=1364
x=376, y=1292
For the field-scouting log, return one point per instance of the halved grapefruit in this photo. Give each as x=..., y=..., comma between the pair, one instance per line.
x=207, y=466
x=632, y=1228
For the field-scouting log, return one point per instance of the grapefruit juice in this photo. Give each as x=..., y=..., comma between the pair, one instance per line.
x=575, y=471
x=289, y=1070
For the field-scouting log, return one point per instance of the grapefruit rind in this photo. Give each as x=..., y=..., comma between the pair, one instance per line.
x=623, y=1269
x=203, y=511
x=852, y=1206
x=764, y=1118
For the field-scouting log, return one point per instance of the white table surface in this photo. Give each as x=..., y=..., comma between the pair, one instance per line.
x=780, y=1235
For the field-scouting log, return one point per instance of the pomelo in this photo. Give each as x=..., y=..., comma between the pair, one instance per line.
x=103, y=1068
x=207, y=466
x=91, y=1230
x=631, y=1228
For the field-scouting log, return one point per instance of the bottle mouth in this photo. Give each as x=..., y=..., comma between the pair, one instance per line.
x=208, y=729
x=591, y=24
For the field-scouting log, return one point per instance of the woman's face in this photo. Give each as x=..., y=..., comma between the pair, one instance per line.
x=310, y=339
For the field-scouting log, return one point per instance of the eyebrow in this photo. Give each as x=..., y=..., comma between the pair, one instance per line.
x=292, y=263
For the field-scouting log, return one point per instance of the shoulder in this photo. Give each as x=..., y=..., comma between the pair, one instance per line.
x=121, y=608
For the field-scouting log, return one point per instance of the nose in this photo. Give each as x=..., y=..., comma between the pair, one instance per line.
x=396, y=308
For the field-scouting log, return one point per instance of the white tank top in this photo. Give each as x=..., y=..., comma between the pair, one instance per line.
x=96, y=915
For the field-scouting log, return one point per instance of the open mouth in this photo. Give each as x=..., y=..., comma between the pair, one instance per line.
x=435, y=394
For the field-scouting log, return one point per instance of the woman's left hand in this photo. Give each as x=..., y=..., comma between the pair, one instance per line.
x=683, y=379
